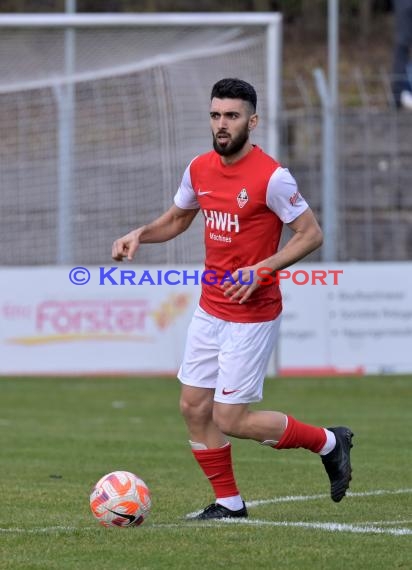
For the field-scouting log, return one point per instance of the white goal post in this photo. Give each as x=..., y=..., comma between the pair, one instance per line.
x=101, y=113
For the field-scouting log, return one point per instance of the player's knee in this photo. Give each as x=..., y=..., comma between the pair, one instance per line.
x=228, y=423
x=195, y=410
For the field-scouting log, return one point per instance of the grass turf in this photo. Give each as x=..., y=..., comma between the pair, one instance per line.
x=58, y=436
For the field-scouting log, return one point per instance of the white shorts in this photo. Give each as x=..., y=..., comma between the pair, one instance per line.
x=231, y=358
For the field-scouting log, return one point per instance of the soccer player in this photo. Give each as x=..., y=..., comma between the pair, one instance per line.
x=245, y=196
x=401, y=85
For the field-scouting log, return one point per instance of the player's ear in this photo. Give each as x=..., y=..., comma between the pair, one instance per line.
x=253, y=121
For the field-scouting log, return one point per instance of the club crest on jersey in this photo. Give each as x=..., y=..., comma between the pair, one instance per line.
x=242, y=198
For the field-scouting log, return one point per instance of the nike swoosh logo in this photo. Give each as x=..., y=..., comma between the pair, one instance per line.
x=203, y=193
x=131, y=518
x=227, y=392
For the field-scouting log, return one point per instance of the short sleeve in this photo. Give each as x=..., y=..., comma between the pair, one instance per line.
x=283, y=196
x=185, y=197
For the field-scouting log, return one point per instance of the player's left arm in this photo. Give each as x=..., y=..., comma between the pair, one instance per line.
x=284, y=199
x=307, y=237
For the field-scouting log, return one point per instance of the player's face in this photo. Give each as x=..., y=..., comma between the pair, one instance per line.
x=231, y=121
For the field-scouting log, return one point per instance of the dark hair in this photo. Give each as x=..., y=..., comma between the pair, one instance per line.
x=232, y=88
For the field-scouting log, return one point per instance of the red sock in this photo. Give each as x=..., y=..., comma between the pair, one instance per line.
x=298, y=434
x=216, y=464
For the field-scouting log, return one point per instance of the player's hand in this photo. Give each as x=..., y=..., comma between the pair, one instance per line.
x=127, y=245
x=245, y=281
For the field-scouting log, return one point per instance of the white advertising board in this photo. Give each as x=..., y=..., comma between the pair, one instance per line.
x=346, y=319
x=362, y=324
x=48, y=325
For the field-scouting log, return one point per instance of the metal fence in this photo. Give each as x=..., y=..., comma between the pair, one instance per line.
x=375, y=164
x=374, y=201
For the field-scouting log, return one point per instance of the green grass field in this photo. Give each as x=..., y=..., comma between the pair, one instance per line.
x=58, y=436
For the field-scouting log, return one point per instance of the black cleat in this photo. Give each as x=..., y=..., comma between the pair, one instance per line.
x=337, y=463
x=216, y=511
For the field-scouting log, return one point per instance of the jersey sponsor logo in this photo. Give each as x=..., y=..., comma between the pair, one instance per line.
x=294, y=198
x=223, y=221
x=227, y=392
x=242, y=198
x=219, y=237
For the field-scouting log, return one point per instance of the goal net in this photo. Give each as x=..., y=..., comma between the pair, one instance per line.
x=99, y=119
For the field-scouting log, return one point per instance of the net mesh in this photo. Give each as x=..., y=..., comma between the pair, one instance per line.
x=139, y=102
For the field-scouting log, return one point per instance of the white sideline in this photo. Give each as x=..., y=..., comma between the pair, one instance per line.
x=371, y=527
x=296, y=498
x=363, y=528
x=359, y=528
x=46, y=530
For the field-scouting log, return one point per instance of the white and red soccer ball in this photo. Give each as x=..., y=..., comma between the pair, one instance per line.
x=120, y=499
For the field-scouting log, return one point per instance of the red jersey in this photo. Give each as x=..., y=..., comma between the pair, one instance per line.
x=244, y=205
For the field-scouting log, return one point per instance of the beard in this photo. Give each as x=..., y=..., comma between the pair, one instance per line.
x=232, y=145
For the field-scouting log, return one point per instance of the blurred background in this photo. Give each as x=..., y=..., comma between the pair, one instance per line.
x=108, y=174
x=103, y=105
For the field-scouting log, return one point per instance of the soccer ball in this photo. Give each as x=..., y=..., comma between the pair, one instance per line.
x=120, y=499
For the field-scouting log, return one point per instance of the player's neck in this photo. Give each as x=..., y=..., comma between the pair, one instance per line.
x=226, y=160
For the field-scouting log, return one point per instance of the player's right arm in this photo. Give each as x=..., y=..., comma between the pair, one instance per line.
x=169, y=225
